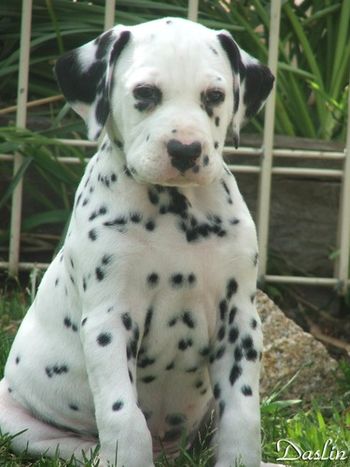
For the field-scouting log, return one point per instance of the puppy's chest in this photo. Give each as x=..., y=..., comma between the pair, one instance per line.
x=178, y=323
x=140, y=225
x=179, y=285
x=170, y=250
x=112, y=202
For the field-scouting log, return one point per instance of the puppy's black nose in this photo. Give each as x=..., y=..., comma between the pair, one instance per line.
x=183, y=156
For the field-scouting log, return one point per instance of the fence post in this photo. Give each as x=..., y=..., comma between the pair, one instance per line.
x=109, y=21
x=21, y=117
x=192, y=10
x=266, y=162
x=342, y=263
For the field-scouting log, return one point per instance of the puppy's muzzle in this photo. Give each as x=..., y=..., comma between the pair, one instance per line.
x=183, y=156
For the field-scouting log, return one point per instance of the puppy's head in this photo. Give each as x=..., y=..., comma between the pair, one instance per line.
x=168, y=89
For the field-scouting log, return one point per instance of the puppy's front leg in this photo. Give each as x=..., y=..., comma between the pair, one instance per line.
x=110, y=341
x=234, y=369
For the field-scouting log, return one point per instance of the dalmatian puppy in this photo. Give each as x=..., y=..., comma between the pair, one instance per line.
x=147, y=315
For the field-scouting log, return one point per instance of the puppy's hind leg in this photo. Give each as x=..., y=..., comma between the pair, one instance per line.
x=37, y=437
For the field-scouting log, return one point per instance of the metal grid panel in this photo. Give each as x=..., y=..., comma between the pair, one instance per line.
x=265, y=171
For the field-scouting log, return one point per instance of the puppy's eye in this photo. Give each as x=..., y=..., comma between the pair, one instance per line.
x=147, y=96
x=214, y=96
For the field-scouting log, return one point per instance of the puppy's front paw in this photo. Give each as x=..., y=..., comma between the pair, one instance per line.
x=128, y=446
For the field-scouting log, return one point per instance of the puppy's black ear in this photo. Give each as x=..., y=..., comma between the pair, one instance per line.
x=252, y=82
x=84, y=77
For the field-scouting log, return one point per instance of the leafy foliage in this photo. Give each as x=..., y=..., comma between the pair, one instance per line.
x=314, y=49
x=59, y=180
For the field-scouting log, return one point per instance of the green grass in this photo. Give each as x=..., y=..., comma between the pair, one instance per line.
x=307, y=427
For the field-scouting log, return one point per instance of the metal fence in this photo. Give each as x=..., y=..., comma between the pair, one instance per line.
x=265, y=170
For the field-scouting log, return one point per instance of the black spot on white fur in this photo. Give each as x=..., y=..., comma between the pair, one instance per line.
x=127, y=321
x=246, y=390
x=152, y=279
x=118, y=405
x=104, y=339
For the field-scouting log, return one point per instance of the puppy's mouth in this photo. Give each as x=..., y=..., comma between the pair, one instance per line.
x=185, y=179
x=184, y=165
x=180, y=180
x=195, y=171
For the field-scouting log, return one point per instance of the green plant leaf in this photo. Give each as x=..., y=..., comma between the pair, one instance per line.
x=14, y=182
x=44, y=218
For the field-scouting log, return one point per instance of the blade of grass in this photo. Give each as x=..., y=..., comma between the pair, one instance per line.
x=250, y=31
x=36, y=195
x=321, y=13
x=342, y=39
x=330, y=48
x=44, y=218
x=55, y=26
x=343, y=73
x=283, y=118
x=263, y=14
x=309, y=56
x=14, y=182
x=304, y=121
